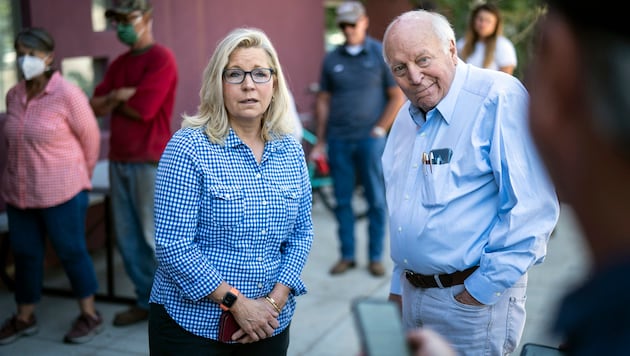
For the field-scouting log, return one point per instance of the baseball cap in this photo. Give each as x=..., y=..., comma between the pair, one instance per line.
x=585, y=15
x=350, y=12
x=125, y=7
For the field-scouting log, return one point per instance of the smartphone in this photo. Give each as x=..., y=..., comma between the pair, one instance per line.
x=380, y=327
x=531, y=349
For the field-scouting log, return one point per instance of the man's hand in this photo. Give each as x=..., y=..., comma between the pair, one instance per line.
x=465, y=298
x=123, y=94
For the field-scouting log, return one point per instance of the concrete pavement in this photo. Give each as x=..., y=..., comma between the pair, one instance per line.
x=323, y=324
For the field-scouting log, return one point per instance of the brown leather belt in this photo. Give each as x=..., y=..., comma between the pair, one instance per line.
x=438, y=280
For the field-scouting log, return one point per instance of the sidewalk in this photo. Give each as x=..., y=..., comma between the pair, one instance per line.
x=323, y=324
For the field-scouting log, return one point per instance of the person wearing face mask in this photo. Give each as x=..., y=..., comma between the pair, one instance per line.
x=138, y=93
x=53, y=142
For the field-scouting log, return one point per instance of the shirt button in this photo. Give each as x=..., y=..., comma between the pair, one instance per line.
x=258, y=175
x=498, y=294
x=406, y=196
x=415, y=165
x=423, y=134
x=260, y=286
x=399, y=228
x=263, y=231
x=259, y=259
x=264, y=202
x=405, y=261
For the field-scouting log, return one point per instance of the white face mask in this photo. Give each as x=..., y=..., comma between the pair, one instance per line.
x=31, y=66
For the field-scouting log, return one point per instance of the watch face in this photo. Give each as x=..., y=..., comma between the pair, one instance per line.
x=229, y=299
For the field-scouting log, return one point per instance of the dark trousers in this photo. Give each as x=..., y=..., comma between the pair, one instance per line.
x=166, y=337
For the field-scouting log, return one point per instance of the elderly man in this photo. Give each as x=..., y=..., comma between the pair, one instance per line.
x=471, y=208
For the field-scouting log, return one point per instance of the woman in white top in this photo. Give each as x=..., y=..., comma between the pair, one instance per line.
x=484, y=44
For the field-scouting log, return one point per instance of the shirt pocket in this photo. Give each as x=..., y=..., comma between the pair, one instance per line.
x=436, y=185
x=291, y=200
x=227, y=208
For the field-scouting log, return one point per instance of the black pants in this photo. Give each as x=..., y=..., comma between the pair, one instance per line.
x=167, y=338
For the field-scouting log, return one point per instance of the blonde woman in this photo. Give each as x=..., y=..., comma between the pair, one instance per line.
x=233, y=212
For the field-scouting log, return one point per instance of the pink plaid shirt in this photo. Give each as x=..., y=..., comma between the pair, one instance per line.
x=53, y=143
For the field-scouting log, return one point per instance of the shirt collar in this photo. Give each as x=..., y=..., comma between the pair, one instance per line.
x=233, y=141
x=53, y=84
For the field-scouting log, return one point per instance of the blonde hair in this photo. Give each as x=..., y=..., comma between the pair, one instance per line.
x=211, y=113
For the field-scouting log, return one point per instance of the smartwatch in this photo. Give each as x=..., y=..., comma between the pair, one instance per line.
x=229, y=299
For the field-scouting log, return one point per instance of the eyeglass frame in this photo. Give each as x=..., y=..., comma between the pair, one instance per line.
x=271, y=73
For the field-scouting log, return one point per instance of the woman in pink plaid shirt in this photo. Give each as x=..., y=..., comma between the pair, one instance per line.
x=52, y=141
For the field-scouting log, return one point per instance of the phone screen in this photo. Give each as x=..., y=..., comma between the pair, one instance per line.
x=380, y=328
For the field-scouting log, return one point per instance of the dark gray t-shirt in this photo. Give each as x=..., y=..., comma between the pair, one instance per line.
x=358, y=87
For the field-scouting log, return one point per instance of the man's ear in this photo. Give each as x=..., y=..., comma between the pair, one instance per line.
x=452, y=48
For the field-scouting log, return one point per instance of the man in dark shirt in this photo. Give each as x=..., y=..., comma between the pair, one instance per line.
x=355, y=108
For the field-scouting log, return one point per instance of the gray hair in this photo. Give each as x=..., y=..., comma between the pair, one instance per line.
x=440, y=25
x=213, y=116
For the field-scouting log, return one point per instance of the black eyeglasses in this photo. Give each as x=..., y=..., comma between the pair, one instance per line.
x=237, y=76
x=343, y=25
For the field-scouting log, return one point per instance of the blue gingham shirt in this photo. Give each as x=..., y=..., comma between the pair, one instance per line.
x=221, y=216
x=491, y=205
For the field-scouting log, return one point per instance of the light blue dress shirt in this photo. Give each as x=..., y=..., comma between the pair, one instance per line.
x=490, y=204
x=222, y=216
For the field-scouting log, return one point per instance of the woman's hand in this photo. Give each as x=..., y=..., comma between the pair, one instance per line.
x=257, y=319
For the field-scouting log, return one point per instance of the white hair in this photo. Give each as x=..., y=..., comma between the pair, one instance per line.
x=440, y=25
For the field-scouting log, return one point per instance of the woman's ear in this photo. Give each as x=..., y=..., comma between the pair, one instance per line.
x=50, y=58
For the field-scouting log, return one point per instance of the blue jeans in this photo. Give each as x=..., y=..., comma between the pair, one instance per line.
x=353, y=161
x=64, y=225
x=132, y=188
